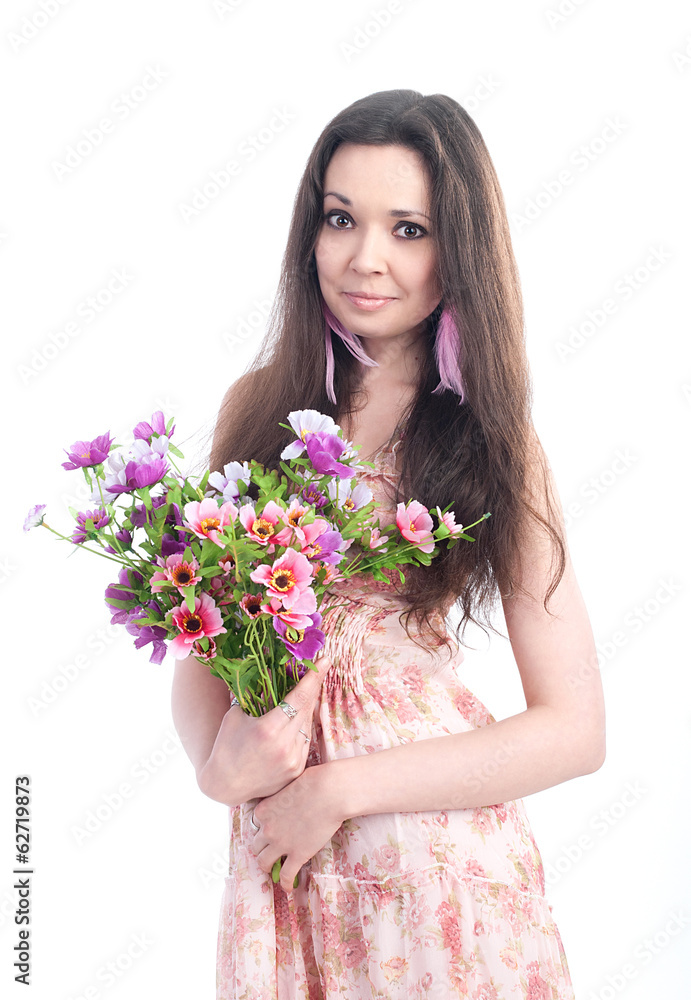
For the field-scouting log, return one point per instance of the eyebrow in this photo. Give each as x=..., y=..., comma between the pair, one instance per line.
x=397, y=213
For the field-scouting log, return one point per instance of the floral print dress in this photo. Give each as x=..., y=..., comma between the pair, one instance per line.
x=397, y=906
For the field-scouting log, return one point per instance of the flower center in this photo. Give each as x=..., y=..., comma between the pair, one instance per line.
x=314, y=549
x=192, y=624
x=295, y=634
x=283, y=580
x=262, y=528
x=210, y=524
x=348, y=504
x=182, y=575
x=294, y=518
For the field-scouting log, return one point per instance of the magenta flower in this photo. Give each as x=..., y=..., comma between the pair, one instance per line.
x=122, y=591
x=84, y=454
x=205, y=518
x=377, y=540
x=295, y=669
x=34, y=517
x=306, y=422
x=323, y=451
x=415, y=524
x=145, y=431
x=88, y=522
x=205, y=620
x=302, y=642
x=321, y=543
x=311, y=495
x=144, y=634
x=138, y=474
x=286, y=579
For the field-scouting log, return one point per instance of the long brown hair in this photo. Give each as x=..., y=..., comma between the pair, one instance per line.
x=480, y=456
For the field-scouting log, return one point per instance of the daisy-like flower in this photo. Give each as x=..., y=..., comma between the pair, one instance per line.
x=251, y=604
x=311, y=495
x=205, y=518
x=349, y=497
x=286, y=579
x=306, y=422
x=261, y=528
x=84, y=454
x=34, y=517
x=205, y=620
x=226, y=483
x=98, y=518
x=449, y=519
x=415, y=524
x=178, y=571
x=299, y=615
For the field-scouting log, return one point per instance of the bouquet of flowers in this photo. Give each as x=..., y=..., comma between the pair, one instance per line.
x=232, y=568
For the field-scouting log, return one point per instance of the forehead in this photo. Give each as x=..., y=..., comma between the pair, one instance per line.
x=371, y=172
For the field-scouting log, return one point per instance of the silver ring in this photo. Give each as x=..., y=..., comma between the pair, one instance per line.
x=288, y=709
x=307, y=739
x=255, y=825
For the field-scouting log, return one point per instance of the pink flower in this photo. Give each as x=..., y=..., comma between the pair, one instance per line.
x=287, y=578
x=178, y=571
x=300, y=613
x=205, y=518
x=293, y=519
x=205, y=620
x=415, y=524
x=449, y=519
x=377, y=539
x=251, y=604
x=261, y=529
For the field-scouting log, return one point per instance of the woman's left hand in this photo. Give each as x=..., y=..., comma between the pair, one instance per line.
x=297, y=822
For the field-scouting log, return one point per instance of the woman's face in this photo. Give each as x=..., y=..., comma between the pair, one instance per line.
x=376, y=239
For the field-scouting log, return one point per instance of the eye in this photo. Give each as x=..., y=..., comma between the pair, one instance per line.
x=336, y=215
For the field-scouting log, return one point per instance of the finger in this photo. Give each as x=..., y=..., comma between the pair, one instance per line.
x=303, y=696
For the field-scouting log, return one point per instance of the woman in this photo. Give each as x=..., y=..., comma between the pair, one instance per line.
x=399, y=315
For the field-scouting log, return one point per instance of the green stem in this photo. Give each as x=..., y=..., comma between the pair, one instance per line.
x=83, y=546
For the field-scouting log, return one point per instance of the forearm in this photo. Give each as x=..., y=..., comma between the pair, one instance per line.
x=199, y=702
x=505, y=760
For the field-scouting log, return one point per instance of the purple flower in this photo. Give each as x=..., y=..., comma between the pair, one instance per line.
x=145, y=431
x=310, y=494
x=124, y=537
x=171, y=546
x=323, y=548
x=295, y=669
x=227, y=482
x=83, y=454
x=34, y=517
x=303, y=643
x=119, y=592
x=323, y=450
x=140, y=516
x=145, y=634
x=99, y=519
x=137, y=475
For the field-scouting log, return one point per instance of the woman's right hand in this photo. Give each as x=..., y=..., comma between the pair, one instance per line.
x=254, y=757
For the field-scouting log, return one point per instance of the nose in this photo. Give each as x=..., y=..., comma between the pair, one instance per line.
x=369, y=253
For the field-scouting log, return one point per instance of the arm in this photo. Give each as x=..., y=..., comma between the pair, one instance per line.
x=559, y=736
x=199, y=700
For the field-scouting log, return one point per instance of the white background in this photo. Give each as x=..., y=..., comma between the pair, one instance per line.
x=540, y=85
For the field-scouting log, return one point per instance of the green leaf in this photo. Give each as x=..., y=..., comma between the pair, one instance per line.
x=290, y=474
x=189, y=596
x=145, y=494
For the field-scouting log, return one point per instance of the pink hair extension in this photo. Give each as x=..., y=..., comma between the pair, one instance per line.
x=446, y=352
x=351, y=341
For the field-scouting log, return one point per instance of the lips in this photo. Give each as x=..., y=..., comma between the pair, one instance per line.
x=368, y=302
